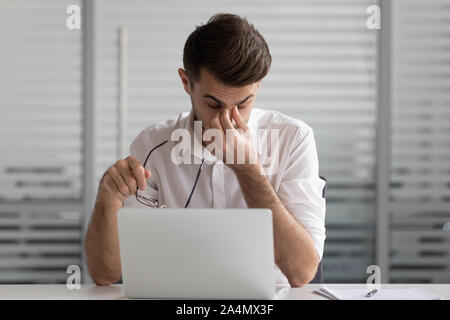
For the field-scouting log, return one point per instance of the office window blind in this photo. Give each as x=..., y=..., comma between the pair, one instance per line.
x=40, y=127
x=420, y=173
x=323, y=72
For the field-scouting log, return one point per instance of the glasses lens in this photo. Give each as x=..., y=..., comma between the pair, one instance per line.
x=144, y=199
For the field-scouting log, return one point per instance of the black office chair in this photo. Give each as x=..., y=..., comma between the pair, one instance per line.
x=318, y=277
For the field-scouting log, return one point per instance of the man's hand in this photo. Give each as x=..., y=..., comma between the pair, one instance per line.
x=122, y=179
x=102, y=239
x=238, y=147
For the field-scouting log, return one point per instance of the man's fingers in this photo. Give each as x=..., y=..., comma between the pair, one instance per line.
x=225, y=119
x=128, y=175
x=122, y=186
x=138, y=171
x=215, y=123
x=205, y=125
x=111, y=186
x=238, y=119
x=124, y=177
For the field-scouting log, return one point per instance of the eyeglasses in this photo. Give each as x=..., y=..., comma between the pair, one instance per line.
x=153, y=203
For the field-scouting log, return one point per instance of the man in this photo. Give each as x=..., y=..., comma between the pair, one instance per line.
x=224, y=64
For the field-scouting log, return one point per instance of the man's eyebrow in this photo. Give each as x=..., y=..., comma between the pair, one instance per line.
x=241, y=102
x=214, y=98
x=222, y=103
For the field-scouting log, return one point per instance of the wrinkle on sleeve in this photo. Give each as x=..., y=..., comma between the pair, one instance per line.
x=301, y=188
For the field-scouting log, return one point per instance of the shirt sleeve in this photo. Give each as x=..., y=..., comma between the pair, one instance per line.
x=302, y=190
x=139, y=150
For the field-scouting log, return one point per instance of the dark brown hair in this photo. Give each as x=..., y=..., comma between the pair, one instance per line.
x=228, y=47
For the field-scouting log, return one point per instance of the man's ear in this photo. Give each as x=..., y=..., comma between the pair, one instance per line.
x=185, y=80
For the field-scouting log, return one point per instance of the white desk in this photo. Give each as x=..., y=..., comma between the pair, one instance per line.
x=114, y=292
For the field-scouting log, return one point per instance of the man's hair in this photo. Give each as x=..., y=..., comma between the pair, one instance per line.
x=228, y=47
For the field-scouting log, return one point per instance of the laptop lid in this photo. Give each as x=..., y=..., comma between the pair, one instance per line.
x=197, y=253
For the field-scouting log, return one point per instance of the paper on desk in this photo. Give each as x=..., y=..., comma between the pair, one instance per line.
x=382, y=294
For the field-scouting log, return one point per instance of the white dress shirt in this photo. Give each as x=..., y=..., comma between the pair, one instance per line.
x=296, y=180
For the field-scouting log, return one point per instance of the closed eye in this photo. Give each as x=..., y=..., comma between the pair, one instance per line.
x=216, y=107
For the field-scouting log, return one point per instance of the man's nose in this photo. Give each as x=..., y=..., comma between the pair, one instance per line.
x=227, y=107
x=229, y=112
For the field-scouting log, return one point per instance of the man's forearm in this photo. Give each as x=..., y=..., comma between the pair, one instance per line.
x=102, y=243
x=295, y=253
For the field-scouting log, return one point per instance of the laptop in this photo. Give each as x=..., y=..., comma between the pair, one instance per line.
x=197, y=253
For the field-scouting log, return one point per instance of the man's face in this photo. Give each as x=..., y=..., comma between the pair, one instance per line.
x=208, y=96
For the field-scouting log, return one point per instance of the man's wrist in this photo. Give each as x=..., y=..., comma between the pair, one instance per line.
x=248, y=169
x=105, y=200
